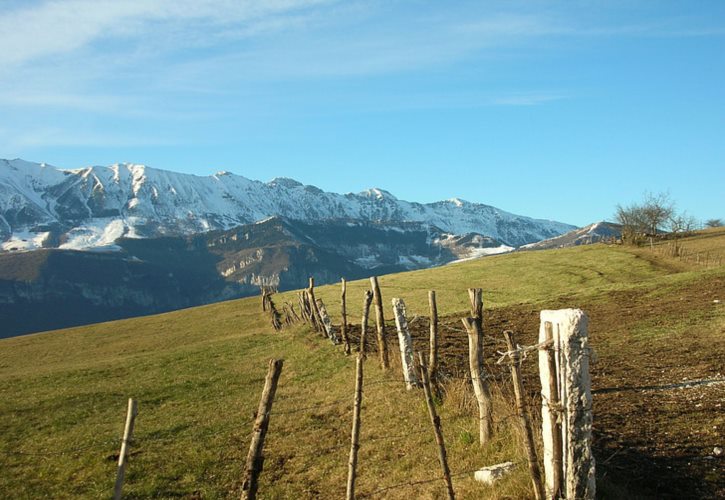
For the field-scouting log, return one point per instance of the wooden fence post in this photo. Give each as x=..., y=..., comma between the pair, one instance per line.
x=433, y=359
x=127, y=436
x=355, y=437
x=343, y=326
x=571, y=354
x=255, y=460
x=478, y=380
x=327, y=322
x=406, y=345
x=552, y=402
x=303, y=307
x=380, y=320
x=476, y=297
x=314, y=308
x=524, y=418
x=436, y=421
x=364, y=323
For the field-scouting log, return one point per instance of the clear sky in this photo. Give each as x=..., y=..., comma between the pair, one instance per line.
x=555, y=110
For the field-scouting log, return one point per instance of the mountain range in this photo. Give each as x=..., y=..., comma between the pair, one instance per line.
x=43, y=206
x=100, y=243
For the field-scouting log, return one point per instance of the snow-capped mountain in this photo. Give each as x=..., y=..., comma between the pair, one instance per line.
x=593, y=233
x=43, y=206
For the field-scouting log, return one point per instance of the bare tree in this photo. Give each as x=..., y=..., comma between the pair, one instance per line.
x=682, y=224
x=657, y=210
x=632, y=220
x=713, y=223
x=646, y=219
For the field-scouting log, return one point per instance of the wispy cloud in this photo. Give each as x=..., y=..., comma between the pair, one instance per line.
x=57, y=27
x=54, y=136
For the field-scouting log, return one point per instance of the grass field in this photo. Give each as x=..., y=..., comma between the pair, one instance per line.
x=198, y=373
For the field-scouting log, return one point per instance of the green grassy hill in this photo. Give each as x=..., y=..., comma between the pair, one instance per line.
x=198, y=373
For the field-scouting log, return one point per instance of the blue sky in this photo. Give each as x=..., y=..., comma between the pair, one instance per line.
x=556, y=110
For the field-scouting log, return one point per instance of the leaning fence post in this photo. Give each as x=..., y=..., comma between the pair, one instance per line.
x=255, y=460
x=380, y=320
x=343, y=326
x=355, y=437
x=478, y=380
x=327, y=322
x=127, y=435
x=524, y=417
x=571, y=348
x=436, y=421
x=364, y=323
x=406, y=345
x=433, y=359
x=315, y=310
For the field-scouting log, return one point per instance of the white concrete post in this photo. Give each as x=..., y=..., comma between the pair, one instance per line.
x=406, y=345
x=571, y=348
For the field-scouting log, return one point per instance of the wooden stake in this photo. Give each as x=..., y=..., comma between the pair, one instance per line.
x=315, y=310
x=364, y=323
x=476, y=297
x=554, y=410
x=380, y=321
x=478, y=380
x=433, y=359
x=127, y=435
x=355, y=437
x=343, y=327
x=406, y=345
x=436, y=421
x=327, y=322
x=524, y=418
x=255, y=460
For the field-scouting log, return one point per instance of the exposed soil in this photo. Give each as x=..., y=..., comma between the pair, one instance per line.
x=659, y=401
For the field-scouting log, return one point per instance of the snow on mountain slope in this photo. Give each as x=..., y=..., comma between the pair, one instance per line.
x=593, y=233
x=90, y=207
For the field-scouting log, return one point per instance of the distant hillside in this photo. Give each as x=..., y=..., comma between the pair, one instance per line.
x=593, y=233
x=51, y=288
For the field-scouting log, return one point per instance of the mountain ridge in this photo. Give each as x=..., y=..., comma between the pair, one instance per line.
x=90, y=207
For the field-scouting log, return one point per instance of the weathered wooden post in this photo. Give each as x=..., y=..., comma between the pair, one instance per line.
x=554, y=486
x=406, y=345
x=436, y=421
x=327, y=322
x=571, y=353
x=524, y=417
x=355, y=437
x=314, y=308
x=380, y=321
x=478, y=380
x=127, y=436
x=255, y=460
x=364, y=323
x=343, y=327
x=433, y=358
x=476, y=297
x=303, y=308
